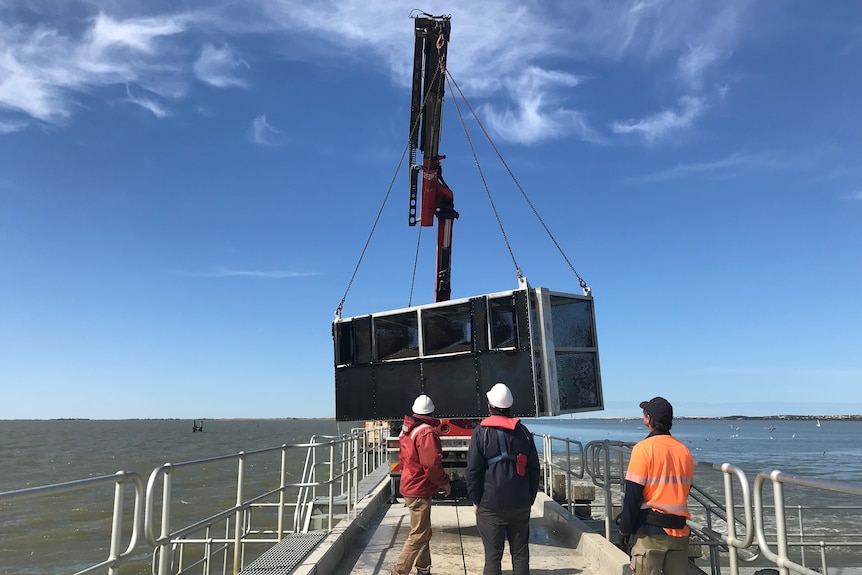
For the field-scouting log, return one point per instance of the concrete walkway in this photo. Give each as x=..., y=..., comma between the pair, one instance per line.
x=370, y=539
x=456, y=548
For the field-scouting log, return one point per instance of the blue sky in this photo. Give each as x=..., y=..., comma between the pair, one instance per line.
x=186, y=188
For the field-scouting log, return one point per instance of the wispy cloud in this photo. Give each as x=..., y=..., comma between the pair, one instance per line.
x=712, y=44
x=693, y=64
x=683, y=170
x=273, y=274
x=43, y=70
x=148, y=103
x=535, y=116
x=513, y=69
x=220, y=67
x=659, y=124
x=7, y=127
x=854, y=195
x=262, y=133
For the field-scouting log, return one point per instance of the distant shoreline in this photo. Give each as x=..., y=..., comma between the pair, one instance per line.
x=786, y=417
x=762, y=417
x=790, y=417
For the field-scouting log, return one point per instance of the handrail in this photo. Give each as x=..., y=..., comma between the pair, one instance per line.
x=778, y=479
x=610, y=457
x=303, y=508
x=120, y=479
x=725, y=512
x=729, y=472
x=604, y=464
x=350, y=458
x=549, y=465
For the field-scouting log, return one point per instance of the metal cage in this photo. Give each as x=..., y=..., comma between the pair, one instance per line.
x=540, y=343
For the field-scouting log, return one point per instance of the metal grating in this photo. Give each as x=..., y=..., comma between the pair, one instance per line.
x=285, y=555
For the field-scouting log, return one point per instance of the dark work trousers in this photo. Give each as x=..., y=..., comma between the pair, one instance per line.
x=497, y=527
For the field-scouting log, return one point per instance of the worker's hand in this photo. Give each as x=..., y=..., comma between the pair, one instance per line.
x=475, y=508
x=447, y=489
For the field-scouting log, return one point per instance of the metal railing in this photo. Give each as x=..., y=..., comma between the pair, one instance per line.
x=565, y=466
x=259, y=510
x=781, y=558
x=729, y=515
x=120, y=480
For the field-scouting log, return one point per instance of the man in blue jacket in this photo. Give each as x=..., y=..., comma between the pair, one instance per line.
x=502, y=482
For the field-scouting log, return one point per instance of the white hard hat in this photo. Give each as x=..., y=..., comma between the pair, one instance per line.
x=500, y=396
x=423, y=405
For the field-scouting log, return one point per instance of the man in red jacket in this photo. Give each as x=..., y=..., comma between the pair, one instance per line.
x=422, y=476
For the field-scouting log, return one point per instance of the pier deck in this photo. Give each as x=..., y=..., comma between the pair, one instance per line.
x=369, y=543
x=456, y=548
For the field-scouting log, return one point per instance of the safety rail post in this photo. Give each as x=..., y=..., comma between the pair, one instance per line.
x=714, y=557
x=801, y=533
x=548, y=458
x=606, y=476
x=341, y=444
x=780, y=522
x=356, y=468
x=347, y=470
x=351, y=460
x=822, y=557
x=282, y=486
x=313, y=481
x=302, y=494
x=116, y=528
x=545, y=464
x=224, y=555
x=208, y=551
x=569, y=478
x=780, y=559
x=164, y=537
x=733, y=559
x=331, y=482
x=238, y=527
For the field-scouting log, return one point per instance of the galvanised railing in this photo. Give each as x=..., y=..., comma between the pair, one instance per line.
x=262, y=505
x=120, y=516
x=729, y=515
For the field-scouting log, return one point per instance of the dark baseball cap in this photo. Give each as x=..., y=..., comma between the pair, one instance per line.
x=659, y=409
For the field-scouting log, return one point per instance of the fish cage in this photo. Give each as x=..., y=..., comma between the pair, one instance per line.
x=540, y=343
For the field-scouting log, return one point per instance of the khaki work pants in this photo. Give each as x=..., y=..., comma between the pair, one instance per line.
x=657, y=555
x=416, y=550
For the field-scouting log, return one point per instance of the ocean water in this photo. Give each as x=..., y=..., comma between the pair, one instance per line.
x=55, y=536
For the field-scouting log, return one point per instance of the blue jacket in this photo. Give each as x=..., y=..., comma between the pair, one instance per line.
x=506, y=483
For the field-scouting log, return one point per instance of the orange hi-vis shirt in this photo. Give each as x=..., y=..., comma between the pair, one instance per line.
x=665, y=467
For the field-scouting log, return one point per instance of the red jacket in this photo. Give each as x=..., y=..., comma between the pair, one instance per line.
x=421, y=457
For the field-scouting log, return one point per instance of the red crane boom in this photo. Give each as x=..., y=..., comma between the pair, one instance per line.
x=429, y=78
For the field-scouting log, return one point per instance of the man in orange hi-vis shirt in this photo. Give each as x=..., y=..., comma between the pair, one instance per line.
x=655, y=507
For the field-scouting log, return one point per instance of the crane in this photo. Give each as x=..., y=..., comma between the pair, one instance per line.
x=541, y=343
x=426, y=107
